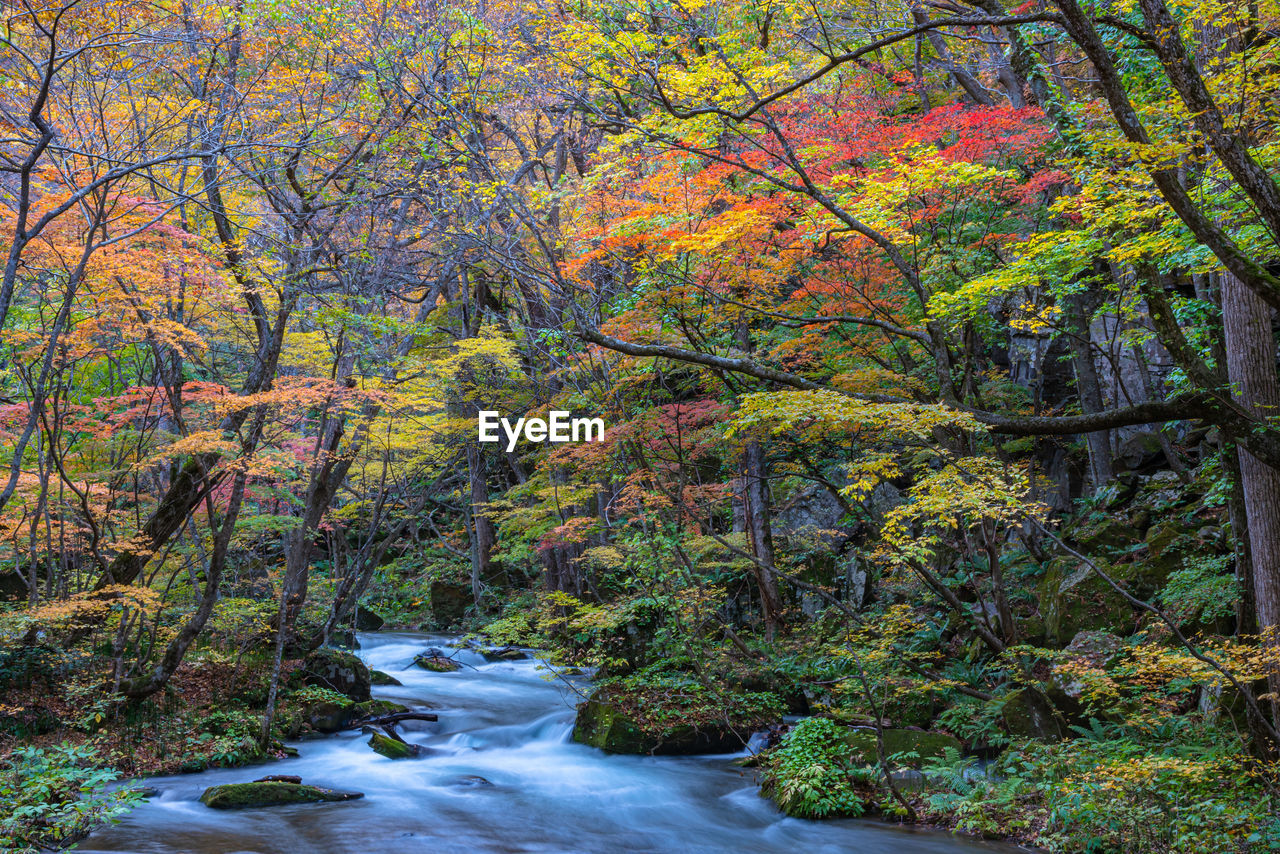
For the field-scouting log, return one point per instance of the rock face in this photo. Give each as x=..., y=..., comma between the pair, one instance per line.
x=368, y=621
x=234, y=796
x=338, y=670
x=391, y=748
x=449, y=603
x=927, y=744
x=603, y=725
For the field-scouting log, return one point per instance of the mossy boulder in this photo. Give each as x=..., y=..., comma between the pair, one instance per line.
x=1073, y=598
x=377, y=708
x=339, y=671
x=449, y=603
x=234, y=796
x=391, y=748
x=436, y=663
x=329, y=715
x=618, y=721
x=927, y=744
x=1027, y=713
x=377, y=677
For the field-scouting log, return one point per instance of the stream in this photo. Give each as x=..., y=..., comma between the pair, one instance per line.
x=501, y=775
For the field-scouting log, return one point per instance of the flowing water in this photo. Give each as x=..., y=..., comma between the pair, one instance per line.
x=500, y=775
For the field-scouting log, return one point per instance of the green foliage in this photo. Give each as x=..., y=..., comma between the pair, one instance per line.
x=54, y=796
x=1107, y=793
x=808, y=775
x=1203, y=589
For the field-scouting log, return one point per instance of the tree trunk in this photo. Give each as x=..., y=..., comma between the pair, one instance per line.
x=483, y=535
x=756, y=501
x=1089, y=387
x=1251, y=369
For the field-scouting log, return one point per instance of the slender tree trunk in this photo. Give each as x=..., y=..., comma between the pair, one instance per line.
x=755, y=494
x=483, y=535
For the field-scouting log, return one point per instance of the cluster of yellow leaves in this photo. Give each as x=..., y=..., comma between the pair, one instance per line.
x=821, y=414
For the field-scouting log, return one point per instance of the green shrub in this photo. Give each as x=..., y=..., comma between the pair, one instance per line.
x=55, y=796
x=808, y=774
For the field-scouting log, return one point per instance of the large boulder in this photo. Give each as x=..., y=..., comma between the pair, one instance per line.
x=368, y=621
x=610, y=720
x=377, y=677
x=449, y=603
x=234, y=796
x=1027, y=713
x=614, y=731
x=339, y=671
x=926, y=744
x=329, y=716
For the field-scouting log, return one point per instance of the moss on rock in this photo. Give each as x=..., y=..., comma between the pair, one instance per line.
x=391, y=748
x=339, y=671
x=234, y=796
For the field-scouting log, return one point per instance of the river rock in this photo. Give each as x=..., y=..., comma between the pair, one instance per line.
x=470, y=781
x=341, y=671
x=436, y=663
x=234, y=796
x=603, y=724
x=391, y=748
x=328, y=716
x=510, y=653
x=377, y=677
x=377, y=708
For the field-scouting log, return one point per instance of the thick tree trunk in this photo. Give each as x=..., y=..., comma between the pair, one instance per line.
x=1089, y=387
x=1251, y=368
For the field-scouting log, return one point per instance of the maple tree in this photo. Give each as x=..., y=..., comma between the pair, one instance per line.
x=887, y=307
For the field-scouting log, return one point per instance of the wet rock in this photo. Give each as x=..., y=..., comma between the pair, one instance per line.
x=376, y=708
x=603, y=724
x=279, y=778
x=344, y=639
x=329, y=716
x=471, y=780
x=232, y=796
x=391, y=748
x=338, y=670
x=436, y=663
x=377, y=677
x=510, y=653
